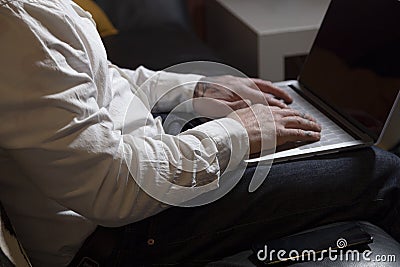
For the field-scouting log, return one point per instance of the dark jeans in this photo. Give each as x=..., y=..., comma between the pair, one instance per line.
x=356, y=185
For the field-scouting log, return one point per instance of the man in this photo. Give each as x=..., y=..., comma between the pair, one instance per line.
x=70, y=162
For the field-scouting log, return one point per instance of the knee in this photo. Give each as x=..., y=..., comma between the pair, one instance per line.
x=386, y=161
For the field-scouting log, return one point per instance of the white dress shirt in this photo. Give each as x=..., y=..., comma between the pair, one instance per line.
x=66, y=164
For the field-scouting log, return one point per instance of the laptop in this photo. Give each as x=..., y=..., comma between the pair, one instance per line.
x=350, y=81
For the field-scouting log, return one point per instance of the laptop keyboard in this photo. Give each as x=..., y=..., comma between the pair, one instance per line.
x=331, y=133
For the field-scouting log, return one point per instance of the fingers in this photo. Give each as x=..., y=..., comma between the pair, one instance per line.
x=268, y=87
x=276, y=102
x=239, y=104
x=294, y=126
x=295, y=122
x=295, y=135
x=212, y=108
x=216, y=108
x=258, y=97
x=288, y=112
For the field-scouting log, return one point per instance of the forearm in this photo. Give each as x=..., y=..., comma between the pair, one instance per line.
x=180, y=168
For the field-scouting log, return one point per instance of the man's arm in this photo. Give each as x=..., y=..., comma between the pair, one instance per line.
x=164, y=90
x=62, y=126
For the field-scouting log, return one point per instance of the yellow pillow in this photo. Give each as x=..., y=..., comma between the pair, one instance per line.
x=103, y=23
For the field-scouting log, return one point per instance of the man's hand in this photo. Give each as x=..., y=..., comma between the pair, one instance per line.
x=291, y=126
x=219, y=96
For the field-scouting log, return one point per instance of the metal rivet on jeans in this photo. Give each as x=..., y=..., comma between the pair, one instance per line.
x=150, y=241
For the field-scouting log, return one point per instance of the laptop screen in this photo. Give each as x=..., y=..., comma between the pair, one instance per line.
x=354, y=65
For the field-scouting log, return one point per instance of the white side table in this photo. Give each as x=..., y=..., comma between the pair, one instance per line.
x=255, y=36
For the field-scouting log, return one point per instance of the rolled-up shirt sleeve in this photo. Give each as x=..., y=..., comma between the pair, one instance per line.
x=61, y=122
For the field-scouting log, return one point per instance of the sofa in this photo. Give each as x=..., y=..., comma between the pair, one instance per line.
x=156, y=34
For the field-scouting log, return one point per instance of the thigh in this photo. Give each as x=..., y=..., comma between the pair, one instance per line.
x=361, y=184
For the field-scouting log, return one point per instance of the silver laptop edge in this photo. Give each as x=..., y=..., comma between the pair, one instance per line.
x=297, y=153
x=388, y=138
x=390, y=135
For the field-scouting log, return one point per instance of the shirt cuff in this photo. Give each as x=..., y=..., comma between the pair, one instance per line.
x=231, y=140
x=180, y=91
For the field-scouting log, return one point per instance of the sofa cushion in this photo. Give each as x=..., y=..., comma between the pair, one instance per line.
x=104, y=25
x=134, y=14
x=156, y=48
x=383, y=246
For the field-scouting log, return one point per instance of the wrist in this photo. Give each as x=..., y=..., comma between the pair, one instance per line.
x=201, y=87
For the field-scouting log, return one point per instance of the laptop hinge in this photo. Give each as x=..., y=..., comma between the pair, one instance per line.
x=331, y=113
